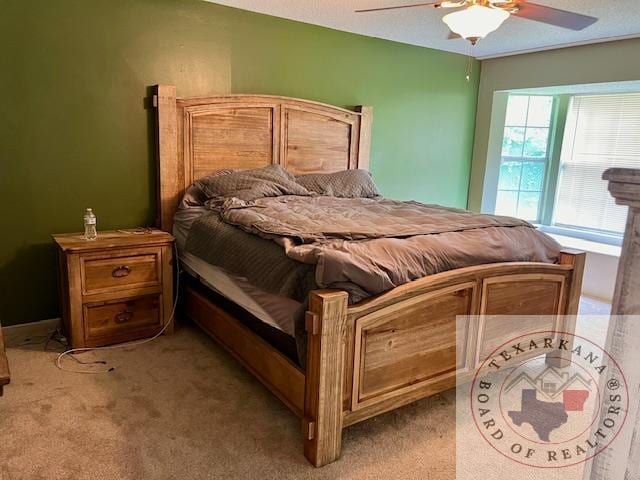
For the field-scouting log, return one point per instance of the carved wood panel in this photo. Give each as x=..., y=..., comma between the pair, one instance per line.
x=399, y=350
x=228, y=137
x=506, y=313
x=314, y=141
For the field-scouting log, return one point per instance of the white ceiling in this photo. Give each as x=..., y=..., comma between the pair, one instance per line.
x=424, y=26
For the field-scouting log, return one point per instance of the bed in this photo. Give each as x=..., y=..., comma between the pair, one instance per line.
x=368, y=357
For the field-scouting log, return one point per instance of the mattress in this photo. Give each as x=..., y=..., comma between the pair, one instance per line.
x=284, y=343
x=277, y=311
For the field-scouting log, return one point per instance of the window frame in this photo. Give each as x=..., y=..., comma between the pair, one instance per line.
x=584, y=234
x=522, y=159
x=558, y=125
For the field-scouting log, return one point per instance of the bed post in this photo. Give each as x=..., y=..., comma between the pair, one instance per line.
x=576, y=259
x=364, y=145
x=326, y=323
x=170, y=175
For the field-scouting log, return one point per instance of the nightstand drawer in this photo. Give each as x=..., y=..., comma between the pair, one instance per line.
x=117, y=318
x=127, y=269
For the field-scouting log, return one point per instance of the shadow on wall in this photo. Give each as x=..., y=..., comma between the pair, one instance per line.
x=36, y=294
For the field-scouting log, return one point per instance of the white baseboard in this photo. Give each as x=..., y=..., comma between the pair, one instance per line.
x=15, y=335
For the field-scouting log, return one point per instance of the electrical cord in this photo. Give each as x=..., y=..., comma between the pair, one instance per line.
x=70, y=353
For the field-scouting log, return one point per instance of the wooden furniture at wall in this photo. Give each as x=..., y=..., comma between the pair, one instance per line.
x=621, y=460
x=116, y=288
x=624, y=185
x=381, y=353
x=5, y=377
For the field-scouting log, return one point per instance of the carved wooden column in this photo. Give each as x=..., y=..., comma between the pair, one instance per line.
x=621, y=461
x=624, y=185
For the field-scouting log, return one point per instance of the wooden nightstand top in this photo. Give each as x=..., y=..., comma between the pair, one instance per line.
x=75, y=242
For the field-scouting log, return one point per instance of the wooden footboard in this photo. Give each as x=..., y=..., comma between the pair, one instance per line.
x=409, y=343
x=412, y=342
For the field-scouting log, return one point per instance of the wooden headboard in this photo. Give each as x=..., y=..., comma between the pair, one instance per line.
x=198, y=136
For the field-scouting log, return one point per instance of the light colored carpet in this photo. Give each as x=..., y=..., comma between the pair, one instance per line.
x=182, y=408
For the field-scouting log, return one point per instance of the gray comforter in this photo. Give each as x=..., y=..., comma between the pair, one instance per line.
x=365, y=246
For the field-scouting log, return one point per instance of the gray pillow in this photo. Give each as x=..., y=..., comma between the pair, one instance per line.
x=345, y=184
x=194, y=196
x=248, y=185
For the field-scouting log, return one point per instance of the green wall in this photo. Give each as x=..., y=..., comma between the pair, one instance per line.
x=598, y=63
x=77, y=129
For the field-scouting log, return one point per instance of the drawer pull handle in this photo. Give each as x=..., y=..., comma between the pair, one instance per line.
x=121, y=271
x=124, y=316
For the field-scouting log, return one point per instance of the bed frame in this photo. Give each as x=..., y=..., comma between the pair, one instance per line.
x=383, y=352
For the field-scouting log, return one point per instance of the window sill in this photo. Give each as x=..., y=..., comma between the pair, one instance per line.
x=586, y=245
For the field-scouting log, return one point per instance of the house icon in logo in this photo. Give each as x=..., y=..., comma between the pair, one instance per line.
x=550, y=383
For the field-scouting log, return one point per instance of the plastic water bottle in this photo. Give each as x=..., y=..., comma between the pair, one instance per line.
x=90, y=232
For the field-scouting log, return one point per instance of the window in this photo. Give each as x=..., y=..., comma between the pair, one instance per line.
x=524, y=158
x=602, y=131
x=553, y=151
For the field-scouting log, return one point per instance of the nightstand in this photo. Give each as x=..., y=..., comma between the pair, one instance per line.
x=116, y=288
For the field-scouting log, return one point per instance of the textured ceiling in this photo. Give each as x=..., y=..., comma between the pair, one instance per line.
x=424, y=26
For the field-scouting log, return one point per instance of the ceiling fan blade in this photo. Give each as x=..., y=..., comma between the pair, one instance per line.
x=453, y=36
x=554, y=16
x=427, y=4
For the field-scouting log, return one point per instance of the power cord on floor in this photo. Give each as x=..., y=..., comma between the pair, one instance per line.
x=72, y=352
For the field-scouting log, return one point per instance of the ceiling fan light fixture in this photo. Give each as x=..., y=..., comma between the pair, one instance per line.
x=475, y=22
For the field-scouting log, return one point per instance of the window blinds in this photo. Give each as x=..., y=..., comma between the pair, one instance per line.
x=602, y=131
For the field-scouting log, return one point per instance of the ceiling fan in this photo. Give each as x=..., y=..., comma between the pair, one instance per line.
x=481, y=17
